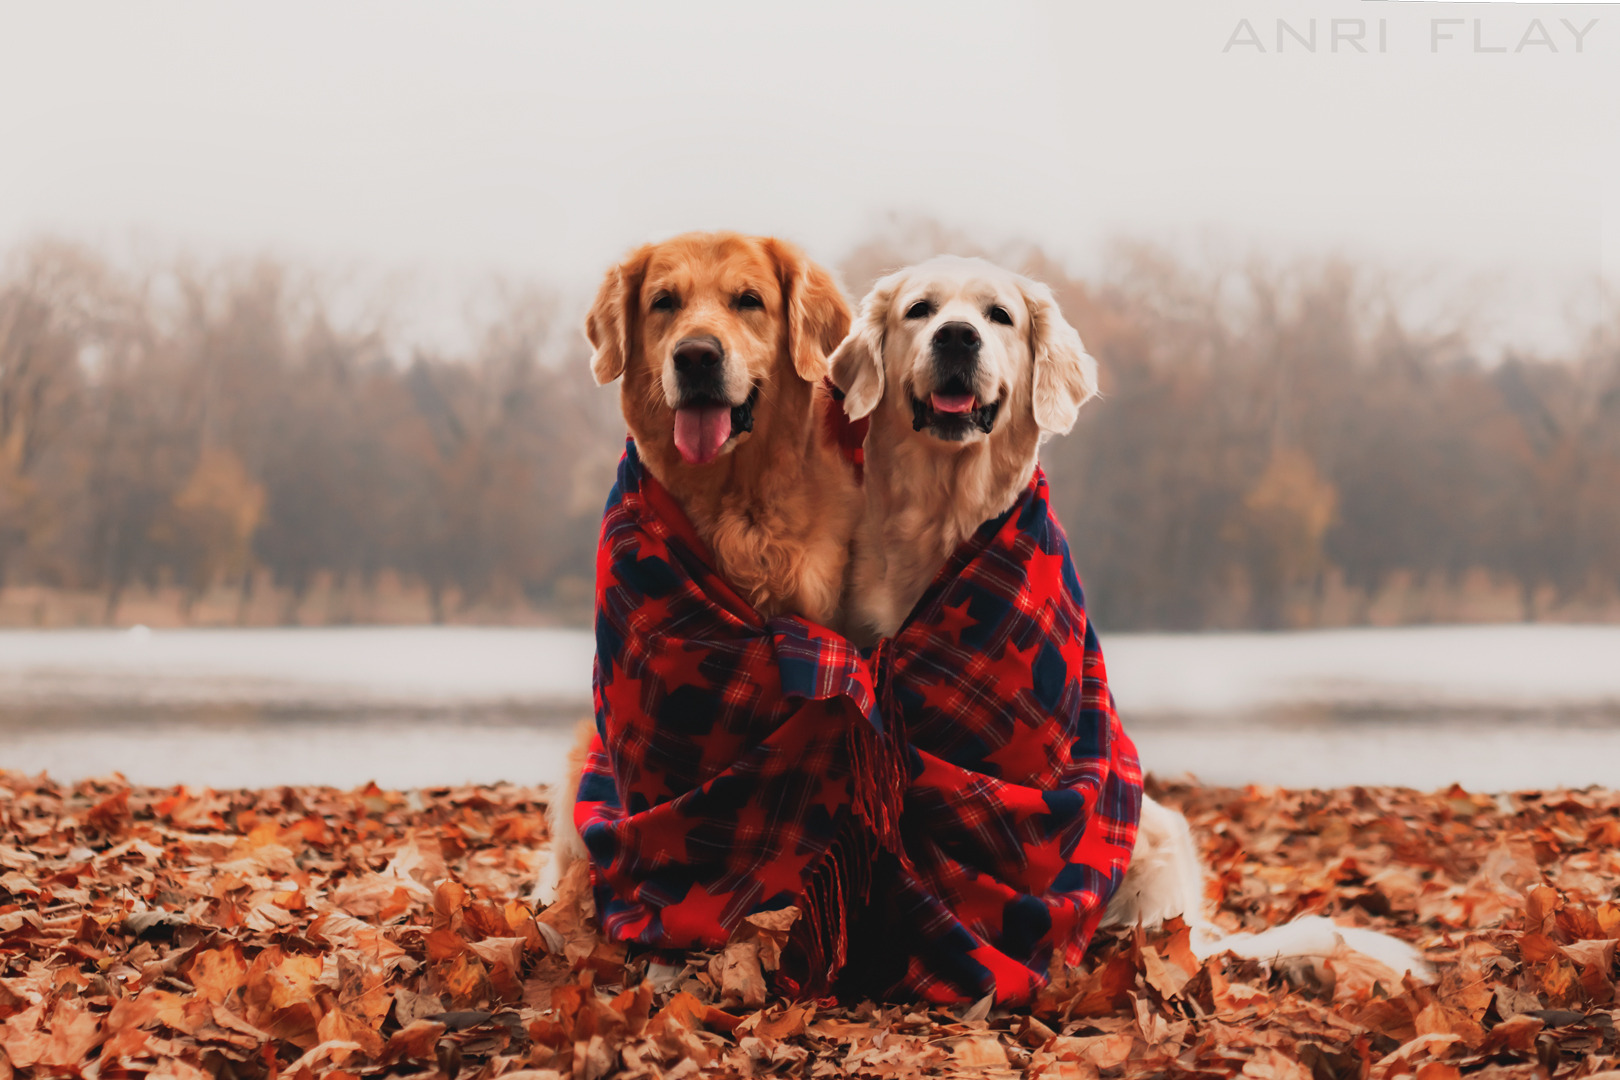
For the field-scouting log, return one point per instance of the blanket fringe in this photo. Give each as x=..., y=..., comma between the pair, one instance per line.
x=843, y=879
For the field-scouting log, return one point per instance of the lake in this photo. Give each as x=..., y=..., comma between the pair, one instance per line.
x=1490, y=707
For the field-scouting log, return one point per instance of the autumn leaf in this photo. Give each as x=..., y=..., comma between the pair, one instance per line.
x=737, y=971
x=265, y=929
x=979, y=1052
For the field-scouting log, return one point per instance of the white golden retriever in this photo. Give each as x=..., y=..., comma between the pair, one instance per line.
x=964, y=369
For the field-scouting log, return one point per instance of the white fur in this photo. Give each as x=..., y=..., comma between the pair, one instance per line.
x=925, y=495
x=1166, y=880
x=566, y=845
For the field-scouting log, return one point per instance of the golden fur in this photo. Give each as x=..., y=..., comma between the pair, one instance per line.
x=779, y=505
x=777, y=509
x=925, y=495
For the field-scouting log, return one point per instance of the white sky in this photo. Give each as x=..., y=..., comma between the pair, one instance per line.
x=537, y=139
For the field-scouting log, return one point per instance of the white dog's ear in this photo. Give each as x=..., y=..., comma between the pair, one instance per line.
x=857, y=364
x=1065, y=376
x=609, y=323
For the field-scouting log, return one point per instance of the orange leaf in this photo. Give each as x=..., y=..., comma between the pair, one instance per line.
x=506, y=952
x=449, y=898
x=980, y=1052
x=415, y=1041
x=445, y=944
x=217, y=974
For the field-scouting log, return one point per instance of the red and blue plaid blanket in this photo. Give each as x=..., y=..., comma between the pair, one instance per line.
x=1025, y=792
x=946, y=827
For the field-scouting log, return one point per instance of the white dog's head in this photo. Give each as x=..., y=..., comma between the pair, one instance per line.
x=964, y=349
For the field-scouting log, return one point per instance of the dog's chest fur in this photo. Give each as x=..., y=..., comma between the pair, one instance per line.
x=923, y=504
x=777, y=513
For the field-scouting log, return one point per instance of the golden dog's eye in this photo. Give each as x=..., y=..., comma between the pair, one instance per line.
x=999, y=314
x=920, y=310
x=748, y=301
x=665, y=302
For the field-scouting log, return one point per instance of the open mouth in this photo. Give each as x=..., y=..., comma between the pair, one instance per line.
x=952, y=411
x=703, y=427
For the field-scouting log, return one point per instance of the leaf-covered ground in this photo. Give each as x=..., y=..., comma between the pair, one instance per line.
x=306, y=931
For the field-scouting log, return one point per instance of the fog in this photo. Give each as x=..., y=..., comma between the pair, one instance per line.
x=446, y=144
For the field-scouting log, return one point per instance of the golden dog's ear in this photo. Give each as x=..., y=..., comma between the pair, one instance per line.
x=612, y=318
x=1065, y=377
x=817, y=316
x=857, y=365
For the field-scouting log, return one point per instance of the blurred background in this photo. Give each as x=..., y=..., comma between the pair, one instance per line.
x=301, y=463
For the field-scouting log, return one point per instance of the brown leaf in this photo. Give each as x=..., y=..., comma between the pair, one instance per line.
x=573, y=912
x=979, y=1052
x=413, y=1042
x=445, y=944
x=737, y=971
x=1168, y=979
x=218, y=974
x=74, y=1032
x=1516, y=1033
x=1439, y=1070
x=1102, y=1051
x=1269, y=1063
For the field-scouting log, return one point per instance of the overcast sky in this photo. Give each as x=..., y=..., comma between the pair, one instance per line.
x=538, y=139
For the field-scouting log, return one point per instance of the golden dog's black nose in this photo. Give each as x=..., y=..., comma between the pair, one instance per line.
x=695, y=354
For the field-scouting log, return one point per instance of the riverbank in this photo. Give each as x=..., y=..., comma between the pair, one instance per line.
x=1490, y=707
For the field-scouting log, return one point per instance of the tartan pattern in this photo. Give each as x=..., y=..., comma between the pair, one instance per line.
x=742, y=764
x=1025, y=795
x=721, y=770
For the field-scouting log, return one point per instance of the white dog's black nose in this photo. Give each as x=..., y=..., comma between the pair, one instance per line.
x=956, y=337
x=697, y=354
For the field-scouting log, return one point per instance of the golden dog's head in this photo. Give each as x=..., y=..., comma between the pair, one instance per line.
x=707, y=330
x=962, y=350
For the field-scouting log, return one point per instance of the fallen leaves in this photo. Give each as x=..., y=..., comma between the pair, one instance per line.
x=297, y=933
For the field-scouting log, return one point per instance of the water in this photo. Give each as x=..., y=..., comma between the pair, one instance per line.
x=1491, y=707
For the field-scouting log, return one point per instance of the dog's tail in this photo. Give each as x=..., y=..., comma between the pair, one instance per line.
x=566, y=846
x=1312, y=936
x=1166, y=880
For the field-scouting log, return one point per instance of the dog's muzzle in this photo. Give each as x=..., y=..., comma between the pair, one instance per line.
x=952, y=410
x=704, y=420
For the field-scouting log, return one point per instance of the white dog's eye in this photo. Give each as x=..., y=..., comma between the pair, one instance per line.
x=920, y=310
x=999, y=314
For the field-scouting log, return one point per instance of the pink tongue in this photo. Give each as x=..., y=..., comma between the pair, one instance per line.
x=952, y=403
x=701, y=432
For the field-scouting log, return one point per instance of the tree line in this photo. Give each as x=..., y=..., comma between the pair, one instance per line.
x=1275, y=446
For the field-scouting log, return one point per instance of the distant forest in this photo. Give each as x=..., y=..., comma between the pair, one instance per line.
x=1275, y=447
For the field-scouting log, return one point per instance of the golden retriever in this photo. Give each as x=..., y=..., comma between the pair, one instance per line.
x=719, y=342
x=964, y=369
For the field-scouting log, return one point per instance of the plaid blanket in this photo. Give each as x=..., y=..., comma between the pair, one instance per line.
x=739, y=763
x=743, y=764
x=1025, y=793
